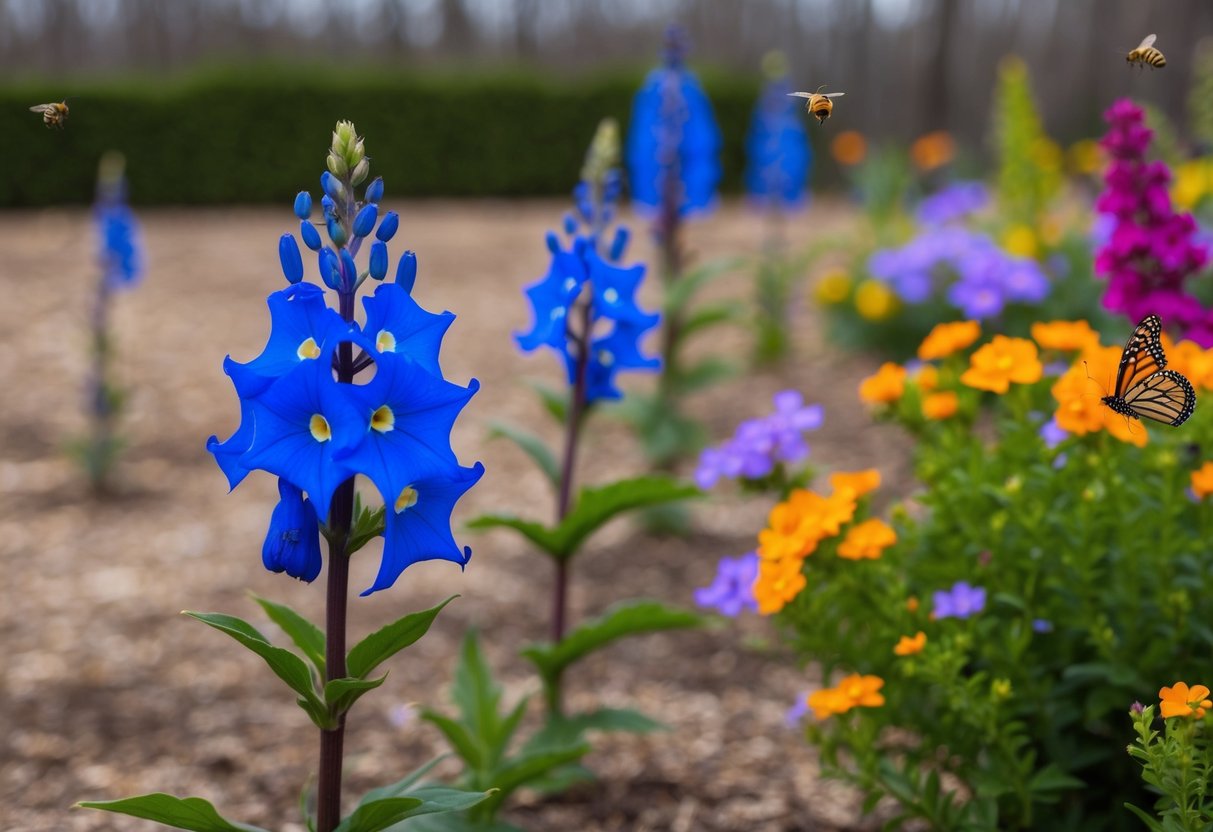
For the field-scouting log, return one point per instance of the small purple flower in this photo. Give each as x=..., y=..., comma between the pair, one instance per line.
x=1059, y=461
x=978, y=300
x=1052, y=433
x=954, y=202
x=759, y=444
x=1042, y=625
x=1136, y=707
x=402, y=715
x=732, y=591
x=799, y=710
x=961, y=601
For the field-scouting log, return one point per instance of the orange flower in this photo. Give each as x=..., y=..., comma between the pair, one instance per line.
x=912, y=603
x=867, y=540
x=940, y=405
x=1002, y=361
x=1190, y=360
x=1065, y=335
x=827, y=702
x=1202, y=480
x=862, y=691
x=909, y=645
x=787, y=535
x=849, y=147
x=1180, y=700
x=779, y=581
x=927, y=378
x=1079, y=409
x=857, y=483
x=946, y=339
x=933, y=150
x=886, y=386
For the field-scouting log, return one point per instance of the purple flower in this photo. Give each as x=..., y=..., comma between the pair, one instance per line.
x=759, y=444
x=961, y=601
x=1052, y=433
x=1136, y=707
x=1042, y=625
x=977, y=300
x=799, y=710
x=732, y=590
x=954, y=202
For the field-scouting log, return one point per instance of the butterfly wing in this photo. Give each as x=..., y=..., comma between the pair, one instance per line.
x=1164, y=396
x=1142, y=357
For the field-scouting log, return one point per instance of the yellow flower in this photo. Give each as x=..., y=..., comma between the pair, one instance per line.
x=1051, y=230
x=1020, y=241
x=1079, y=409
x=909, y=645
x=857, y=483
x=874, y=301
x=1046, y=153
x=1202, y=480
x=1192, y=183
x=849, y=147
x=1180, y=700
x=827, y=702
x=886, y=386
x=946, y=339
x=940, y=405
x=1065, y=335
x=867, y=540
x=932, y=150
x=833, y=287
x=1002, y=361
x=1086, y=157
x=778, y=582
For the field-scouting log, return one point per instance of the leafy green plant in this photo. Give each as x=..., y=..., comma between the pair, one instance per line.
x=1177, y=764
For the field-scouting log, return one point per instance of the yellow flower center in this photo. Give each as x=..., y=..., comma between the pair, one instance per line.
x=383, y=419
x=1005, y=362
x=385, y=341
x=308, y=349
x=407, y=499
x=319, y=426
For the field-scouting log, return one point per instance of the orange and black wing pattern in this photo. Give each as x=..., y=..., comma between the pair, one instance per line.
x=1144, y=387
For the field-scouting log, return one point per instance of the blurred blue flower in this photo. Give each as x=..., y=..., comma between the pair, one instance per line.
x=953, y=202
x=732, y=590
x=777, y=150
x=1052, y=433
x=758, y=445
x=673, y=144
x=961, y=601
x=118, y=232
x=1042, y=625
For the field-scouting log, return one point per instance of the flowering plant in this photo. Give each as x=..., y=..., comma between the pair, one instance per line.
x=1176, y=761
x=303, y=420
x=978, y=647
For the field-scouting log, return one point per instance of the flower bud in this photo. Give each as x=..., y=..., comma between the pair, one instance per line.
x=330, y=268
x=374, y=191
x=603, y=153
x=378, y=266
x=328, y=206
x=332, y=186
x=311, y=237
x=364, y=222
x=349, y=271
x=337, y=165
x=570, y=224
x=290, y=258
x=336, y=232
x=406, y=271
x=360, y=172
x=553, y=242
x=303, y=205
x=622, y=235
x=292, y=544
x=387, y=227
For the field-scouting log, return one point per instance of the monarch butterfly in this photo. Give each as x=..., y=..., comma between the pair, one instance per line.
x=1144, y=389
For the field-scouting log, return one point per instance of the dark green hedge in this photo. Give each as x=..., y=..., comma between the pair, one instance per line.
x=259, y=134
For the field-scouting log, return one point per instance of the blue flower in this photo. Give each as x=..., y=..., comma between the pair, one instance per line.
x=418, y=524
x=673, y=144
x=732, y=590
x=956, y=201
x=228, y=452
x=552, y=298
x=119, y=234
x=961, y=601
x=777, y=150
x=1052, y=433
x=610, y=354
x=399, y=325
x=292, y=544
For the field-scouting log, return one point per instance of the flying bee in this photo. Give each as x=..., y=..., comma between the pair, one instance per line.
x=819, y=104
x=1145, y=53
x=53, y=114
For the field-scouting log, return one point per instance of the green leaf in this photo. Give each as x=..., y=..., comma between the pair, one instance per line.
x=626, y=619
x=562, y=779
x=368, y=524
x=561, y=731
x=379, y=814
x=307, y=636
x=400, y=787
x=459, y=737
x=709, y=316
x=455, y=823
x=1051, y=779
x=532, y=446
x=707, y=372
x=543, y=537
x=341, y=694
x=441, y=799
x=191, y=813
x=685, y=288
x=523, y=768
x=596, y=506
x=285, y=664
x=477, y=696
x=387, y=641
x=555, y=402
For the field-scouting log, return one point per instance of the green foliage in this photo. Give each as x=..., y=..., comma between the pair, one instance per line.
x=1200, y=95
x=1029, y=163
x=387, y=641
x=1094, y=562
x=453, y=134
x=532, y=446
x=192, y=813
x=1177, y=764
x=595, y=506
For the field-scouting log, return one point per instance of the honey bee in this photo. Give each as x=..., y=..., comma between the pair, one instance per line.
x=1145, y=53
x=819, y=104
x=53, y=114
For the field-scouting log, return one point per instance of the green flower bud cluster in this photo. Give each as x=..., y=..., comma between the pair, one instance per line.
x=347, y=159
x=603, y=154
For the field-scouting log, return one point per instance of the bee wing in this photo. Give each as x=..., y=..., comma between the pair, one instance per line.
x=803, y=94
x=1147, y=41
x=833, y=94
x=42, y=108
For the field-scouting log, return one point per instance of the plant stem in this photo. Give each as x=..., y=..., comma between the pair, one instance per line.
x=101, y=398
x=572, y=434
x=341, y=515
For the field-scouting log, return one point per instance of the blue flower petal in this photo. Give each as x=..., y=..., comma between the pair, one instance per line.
x=228, y=452
x=292, y=544
x=396, y=323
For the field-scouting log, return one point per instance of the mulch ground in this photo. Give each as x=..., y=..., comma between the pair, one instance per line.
x=107, y=691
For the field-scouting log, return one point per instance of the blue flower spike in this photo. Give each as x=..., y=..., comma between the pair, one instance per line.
x=290, y=257
x=306, y=419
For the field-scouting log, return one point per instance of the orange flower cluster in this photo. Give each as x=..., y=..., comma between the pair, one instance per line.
x=857, y=482
x=933, y=150
x=1180, y=700
x=1078, y=394
x=849, y=147
x=909, y=645
x=1190, y=360
x=940, y=405
x=1002, y=361
x=945, y=339
x=886, y=386
x=1067, y=336
x=1202, y=480
x=867, y=540
x=855, y=691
